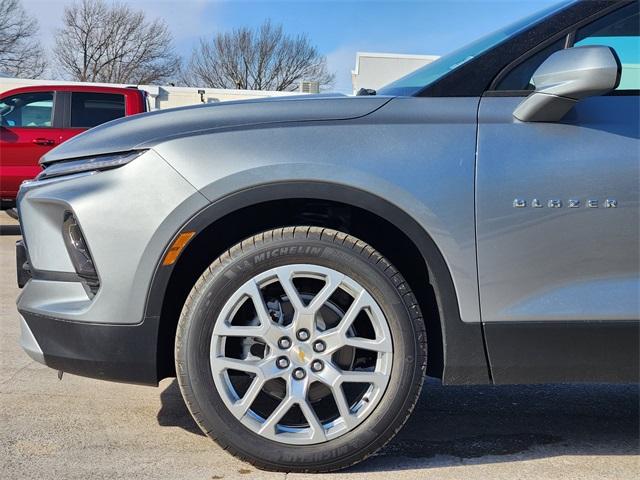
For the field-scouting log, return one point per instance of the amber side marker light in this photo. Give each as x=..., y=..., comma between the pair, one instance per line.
x=176, y=247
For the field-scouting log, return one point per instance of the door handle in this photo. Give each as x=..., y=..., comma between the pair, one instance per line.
x=43, y=141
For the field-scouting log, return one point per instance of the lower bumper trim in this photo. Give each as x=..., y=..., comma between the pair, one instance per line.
x=120, y=353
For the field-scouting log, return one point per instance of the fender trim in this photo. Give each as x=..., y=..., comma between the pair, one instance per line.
x=465, y=360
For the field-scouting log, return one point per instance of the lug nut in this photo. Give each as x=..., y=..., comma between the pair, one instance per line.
x=284, y=343
x=317, y=365
x=299, y=373
x=282, y=362
x=319, y=346
x=303, y=334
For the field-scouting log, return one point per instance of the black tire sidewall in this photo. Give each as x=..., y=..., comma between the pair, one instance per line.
x=219, y=422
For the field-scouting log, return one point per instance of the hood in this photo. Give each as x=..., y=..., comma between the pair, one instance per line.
x=147, y=130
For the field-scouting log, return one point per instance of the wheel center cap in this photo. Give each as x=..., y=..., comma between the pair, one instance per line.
x=301, y=354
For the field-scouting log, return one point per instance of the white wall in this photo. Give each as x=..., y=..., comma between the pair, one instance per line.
x=375, y=70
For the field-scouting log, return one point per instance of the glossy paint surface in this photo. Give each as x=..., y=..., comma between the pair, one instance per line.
x=416, y=153
x=119, y=216
x=568, y=261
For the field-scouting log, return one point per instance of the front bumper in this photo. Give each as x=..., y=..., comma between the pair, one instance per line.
x=128, y=217
x=123, y=353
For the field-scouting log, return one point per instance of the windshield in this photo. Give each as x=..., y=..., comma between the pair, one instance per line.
x=424, y=76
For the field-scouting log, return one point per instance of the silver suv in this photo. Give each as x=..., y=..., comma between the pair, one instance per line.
x=301, y=264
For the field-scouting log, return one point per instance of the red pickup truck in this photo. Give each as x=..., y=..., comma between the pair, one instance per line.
x=33, y=120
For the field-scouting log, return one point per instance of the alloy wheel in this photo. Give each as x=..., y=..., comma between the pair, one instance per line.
x=301, y=354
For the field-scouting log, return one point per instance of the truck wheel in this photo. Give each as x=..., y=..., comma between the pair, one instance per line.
x=13, y=213
x=301, y=349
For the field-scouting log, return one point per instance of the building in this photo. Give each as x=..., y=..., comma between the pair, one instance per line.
x=308, y=87
x=375, y=70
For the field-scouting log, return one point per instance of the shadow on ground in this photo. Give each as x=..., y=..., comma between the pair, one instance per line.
x=173, y=412
x=484, y=423
x=10, y=230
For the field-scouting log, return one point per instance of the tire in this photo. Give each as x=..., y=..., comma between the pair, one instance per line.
x=229, y=341
x=12, y=212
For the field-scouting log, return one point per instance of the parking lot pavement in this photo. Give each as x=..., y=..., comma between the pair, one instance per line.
x=87, y=429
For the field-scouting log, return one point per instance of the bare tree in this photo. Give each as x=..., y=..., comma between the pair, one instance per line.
x=21, y=54
x=101, y=42
x=264, y=58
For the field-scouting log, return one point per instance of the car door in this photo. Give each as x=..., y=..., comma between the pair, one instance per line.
x=87, y=109
x=28, y=130
x=557, y=209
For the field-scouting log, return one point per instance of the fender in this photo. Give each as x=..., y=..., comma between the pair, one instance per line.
x=465, y=360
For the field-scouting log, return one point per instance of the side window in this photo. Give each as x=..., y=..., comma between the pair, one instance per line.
x=619, y=30
x=519, y=78
x=27, y=110
x=89, y=109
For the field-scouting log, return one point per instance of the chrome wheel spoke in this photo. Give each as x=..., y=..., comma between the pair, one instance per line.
x=331, y=376
x=298, y=395
x=225, y=363
x=266, y=369
x=363, y=300
x=381, y=345
x=343, y=406
x=239, y=331
x=334, y=377
x=248, y=292
x=332, y=282
x=336, y=337
x=272, y=335
x=374, y=378
x=256, y=297
x=269, y=370
x=333, y=339
x=286, y=282
x=241, y=406
x=304, y=321
x=317, y=430
x=269, y=425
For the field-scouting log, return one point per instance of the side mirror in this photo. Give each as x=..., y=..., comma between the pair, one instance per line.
x=567, y=77
x=3, y=111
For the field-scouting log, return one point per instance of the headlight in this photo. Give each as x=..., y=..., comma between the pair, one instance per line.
x=88, y=164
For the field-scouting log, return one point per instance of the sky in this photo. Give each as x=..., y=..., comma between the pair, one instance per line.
x=339, y=28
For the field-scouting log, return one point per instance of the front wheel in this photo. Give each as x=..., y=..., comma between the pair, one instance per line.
x=301, y=349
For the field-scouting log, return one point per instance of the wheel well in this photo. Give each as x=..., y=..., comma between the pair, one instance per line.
x=235, y=227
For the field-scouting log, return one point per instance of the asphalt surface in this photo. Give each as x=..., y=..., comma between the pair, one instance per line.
x=80, y=428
